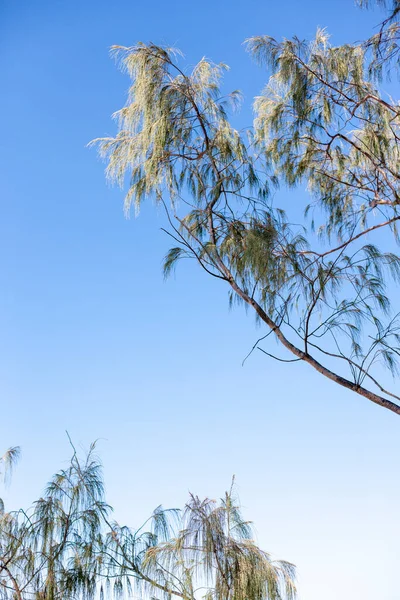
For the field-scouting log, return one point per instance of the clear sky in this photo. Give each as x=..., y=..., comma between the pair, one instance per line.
x=95, y=342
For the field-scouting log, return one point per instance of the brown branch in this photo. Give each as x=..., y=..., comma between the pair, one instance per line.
x=14, y=582
x=358, y=367
x=346, y=383
x=352, y=239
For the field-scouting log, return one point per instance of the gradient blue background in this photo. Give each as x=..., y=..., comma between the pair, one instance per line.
x=94, y=341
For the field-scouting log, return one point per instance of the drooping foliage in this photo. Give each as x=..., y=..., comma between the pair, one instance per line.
x=7, y=464
x=323, y=286
x=207, y=551
x=384, y=43
x=67, y=546
x=8, y=461
x=40, y=549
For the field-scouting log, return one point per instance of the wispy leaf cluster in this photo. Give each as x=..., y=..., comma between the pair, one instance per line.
x=325, y=286
x=67, y=547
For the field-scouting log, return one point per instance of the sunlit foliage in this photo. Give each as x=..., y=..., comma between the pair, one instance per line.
x=323, y=286
x=67, y=546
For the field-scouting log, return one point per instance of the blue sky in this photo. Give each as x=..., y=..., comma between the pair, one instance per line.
x=95, y=342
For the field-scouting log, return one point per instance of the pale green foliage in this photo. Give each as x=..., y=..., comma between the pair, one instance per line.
x=41, y=549
x=207, y=551
x=67, y=547
x=384, y=44
x=161, y=144
x=8, y=461
x=7, y=464
x=322, y=122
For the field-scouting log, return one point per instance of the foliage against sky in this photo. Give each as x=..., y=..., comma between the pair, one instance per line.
x=68, y=546
x=324, y=287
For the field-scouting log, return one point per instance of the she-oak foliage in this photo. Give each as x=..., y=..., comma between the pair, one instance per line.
x=323, y=287
x=67, y=547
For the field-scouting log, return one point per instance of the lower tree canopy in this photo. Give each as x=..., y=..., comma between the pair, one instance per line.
x=67, y=546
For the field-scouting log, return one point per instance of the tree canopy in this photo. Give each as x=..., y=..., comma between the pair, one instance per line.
x=68, y=546
x=324, y=288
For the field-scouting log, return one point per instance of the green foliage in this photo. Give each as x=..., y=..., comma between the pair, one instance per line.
x=41, y=549
x=322, y=122
x=7, y=464
x=207, y=552
x=67, y=547
x=8, y=461
x=159, y=144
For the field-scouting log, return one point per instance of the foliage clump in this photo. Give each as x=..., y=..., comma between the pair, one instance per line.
x=67, y=546
x=325, y=287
